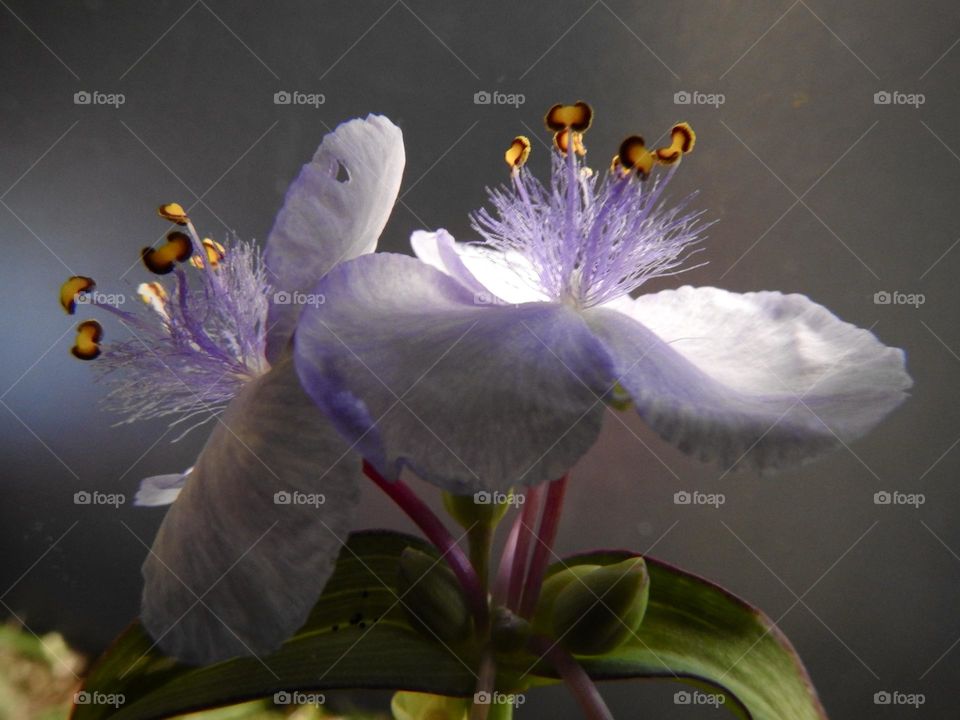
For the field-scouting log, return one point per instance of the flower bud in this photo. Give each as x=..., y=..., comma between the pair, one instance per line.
x=509, y=632
x=596, y=612
x=432, y=598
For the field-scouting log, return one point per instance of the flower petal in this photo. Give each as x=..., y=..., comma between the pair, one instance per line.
x=160, y=489
x=470, y=396
x=335, y=210
x=240, y=559
x=493, y=276
x=770, y=378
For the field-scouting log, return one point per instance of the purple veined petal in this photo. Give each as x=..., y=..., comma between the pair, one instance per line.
x=499, y=277
x=335, y=210
x=762, y=378
x=256, y=530
x=469, y=396
x=160, y=490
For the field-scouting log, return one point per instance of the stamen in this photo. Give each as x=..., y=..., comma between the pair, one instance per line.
x=72, y=289
x=161, y=260
x=562, y=140
x=633, y=155
x=518, y=152
x=568, y=123
x=214, y=251
x=682, y=140
x=87, y=344
x=154, y=295
x=173, y=212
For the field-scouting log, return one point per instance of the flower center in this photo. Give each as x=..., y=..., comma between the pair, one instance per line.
x=584, y=239
x=201, y=338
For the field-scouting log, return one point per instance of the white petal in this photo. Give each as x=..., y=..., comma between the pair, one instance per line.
x=764, y=378
x=492, y=275
x=470, y=396
x=325, y=220
x=234, y=570
x=160, y=489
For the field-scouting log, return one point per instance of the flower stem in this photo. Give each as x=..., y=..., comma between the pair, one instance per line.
x=501, y=586
x=527, y=519
x=547, y=533
x=576, y=679
x=437, y=533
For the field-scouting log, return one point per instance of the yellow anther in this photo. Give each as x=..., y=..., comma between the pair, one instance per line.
x=634, y=156
x=87, y=344
x=162, y=259
x=576, y=117
x=214, y=251
x=682, y=140
x=561, y=141
x=518, y=152
x=72, y=289
x=154, y=295
x=173, y=212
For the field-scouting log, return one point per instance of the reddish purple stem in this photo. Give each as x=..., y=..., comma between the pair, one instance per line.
x=526, y=519
x=576, y=679
x=549, y=522
x=437, y=533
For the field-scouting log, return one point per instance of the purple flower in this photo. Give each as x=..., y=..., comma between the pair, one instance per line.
x=490, y=364
x=254, y=531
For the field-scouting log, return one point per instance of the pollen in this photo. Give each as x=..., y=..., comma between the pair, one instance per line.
x=173, y=212
x=518, y=152
x=87, y=344
x=72, y=289
x=682, y=140
x=634, y=156
x=162, y=259
x=569, y=123
x=214, y=251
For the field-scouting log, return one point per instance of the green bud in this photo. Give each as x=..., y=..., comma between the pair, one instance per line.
x=551, y=588
x=476, y=509
x=601, y=610
x=421, y=706
x=509, y=632
x=432, y=597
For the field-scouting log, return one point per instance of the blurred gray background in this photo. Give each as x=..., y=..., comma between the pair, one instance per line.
x=818, y=187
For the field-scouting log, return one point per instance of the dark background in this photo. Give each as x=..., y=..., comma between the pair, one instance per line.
x=817, y=189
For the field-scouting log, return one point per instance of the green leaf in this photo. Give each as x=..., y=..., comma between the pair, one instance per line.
x=699, y=633
x=357, y=636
